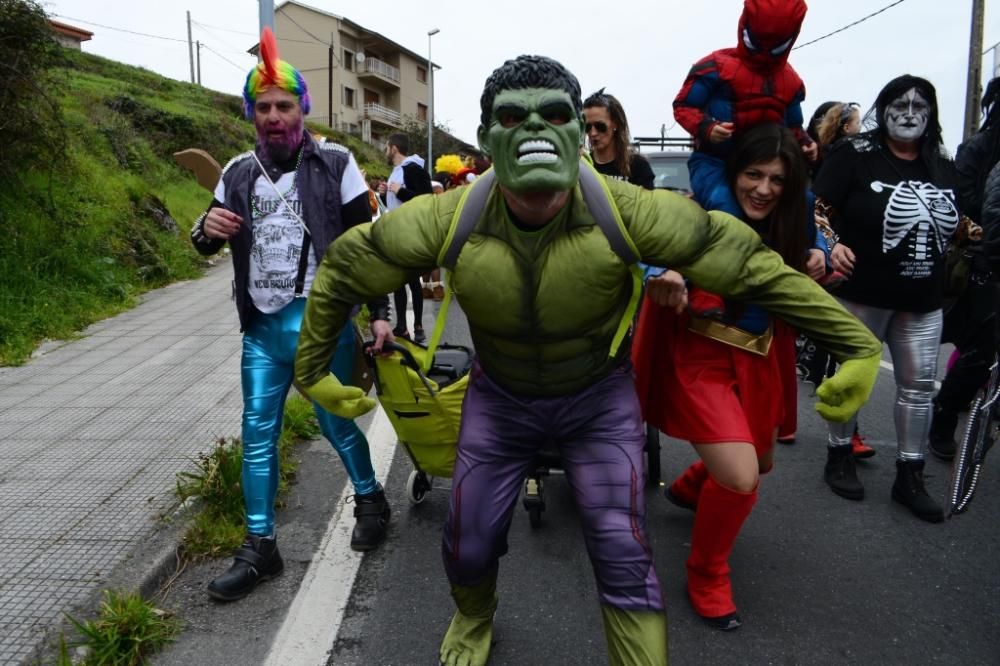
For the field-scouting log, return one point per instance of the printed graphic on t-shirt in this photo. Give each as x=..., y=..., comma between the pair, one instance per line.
x=920, y=218
x=277, y=244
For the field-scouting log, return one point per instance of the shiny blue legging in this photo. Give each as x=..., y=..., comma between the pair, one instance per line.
x=267, y=368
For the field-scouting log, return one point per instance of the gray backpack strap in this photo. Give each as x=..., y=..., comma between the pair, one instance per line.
x=468, y=215
x=599, y=204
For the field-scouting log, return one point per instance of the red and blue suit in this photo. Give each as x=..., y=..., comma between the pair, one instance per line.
x=745, y=86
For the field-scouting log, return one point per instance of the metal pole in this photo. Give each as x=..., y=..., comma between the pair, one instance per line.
x=198, y=55
x=430, y=103
x=973, y=86
x=266, y=13
x=329, y=85
x=190, y=47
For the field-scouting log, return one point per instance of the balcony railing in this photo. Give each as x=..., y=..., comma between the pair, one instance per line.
x=383, y=114
x=380, y=69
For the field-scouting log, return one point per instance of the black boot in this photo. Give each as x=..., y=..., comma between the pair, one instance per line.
x=256, y=560
x=909, y=491
x=372, y=514
x=942, y=436
x=840, y=473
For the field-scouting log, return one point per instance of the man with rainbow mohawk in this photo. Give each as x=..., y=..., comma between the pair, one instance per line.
x=279, y=207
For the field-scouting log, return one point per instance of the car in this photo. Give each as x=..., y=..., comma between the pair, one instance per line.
x=670, y=170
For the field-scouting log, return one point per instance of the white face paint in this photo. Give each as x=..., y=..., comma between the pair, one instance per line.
x=906, y=116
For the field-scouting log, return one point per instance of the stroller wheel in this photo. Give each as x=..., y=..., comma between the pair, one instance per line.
x=417, y=486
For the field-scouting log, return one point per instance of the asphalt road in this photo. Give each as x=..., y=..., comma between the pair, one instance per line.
x=818, y=579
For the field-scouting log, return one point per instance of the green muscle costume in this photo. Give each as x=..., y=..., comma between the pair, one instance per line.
x=544, y=305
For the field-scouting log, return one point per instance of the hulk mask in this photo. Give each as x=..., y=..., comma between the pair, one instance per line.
x=534, y=137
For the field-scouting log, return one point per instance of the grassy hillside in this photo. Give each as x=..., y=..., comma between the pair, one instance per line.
x=80, y=239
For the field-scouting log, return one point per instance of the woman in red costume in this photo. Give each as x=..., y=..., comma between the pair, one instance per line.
x=707, y=369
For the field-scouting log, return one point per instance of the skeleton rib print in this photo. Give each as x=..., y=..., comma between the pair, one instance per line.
x=919, y=207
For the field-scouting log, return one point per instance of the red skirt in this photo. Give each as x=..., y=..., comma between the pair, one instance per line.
x=701, y=390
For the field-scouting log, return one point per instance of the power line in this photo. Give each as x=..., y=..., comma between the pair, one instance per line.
x=250, y=34
x=242, y=68
x=849, y=25
x=318, y=40
x=230, y=48
x=131, y=32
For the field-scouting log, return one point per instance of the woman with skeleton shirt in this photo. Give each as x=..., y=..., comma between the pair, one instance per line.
x=889, y=196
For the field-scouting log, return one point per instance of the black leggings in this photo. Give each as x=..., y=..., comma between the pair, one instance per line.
x=972, y=327
x=399, y=298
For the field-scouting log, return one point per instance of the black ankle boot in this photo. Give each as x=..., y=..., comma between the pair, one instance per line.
x=941, y=441
x=256, y=560
x=372, y=514
x=840, y=473
x=909, y=491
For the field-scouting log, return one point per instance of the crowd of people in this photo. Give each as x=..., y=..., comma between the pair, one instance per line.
x=838, y=232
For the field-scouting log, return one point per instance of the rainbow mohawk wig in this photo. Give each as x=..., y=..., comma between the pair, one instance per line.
x=273, y=71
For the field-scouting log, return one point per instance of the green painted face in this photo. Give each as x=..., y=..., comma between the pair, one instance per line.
x=534, y=138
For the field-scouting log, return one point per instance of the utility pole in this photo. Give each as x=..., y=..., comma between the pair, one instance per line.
x=198, y=55
x=266, y=13
x=973, y=86
x=190, y=47
x=329, y=83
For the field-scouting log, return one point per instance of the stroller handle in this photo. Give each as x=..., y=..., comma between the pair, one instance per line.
x=408, y=358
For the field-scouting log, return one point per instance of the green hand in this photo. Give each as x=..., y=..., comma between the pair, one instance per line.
x=348, y=402
x=841, y=396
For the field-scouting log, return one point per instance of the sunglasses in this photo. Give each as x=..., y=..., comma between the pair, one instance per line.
x=600, y=126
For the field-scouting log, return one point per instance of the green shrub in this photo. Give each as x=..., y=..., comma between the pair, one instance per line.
x=126, y=632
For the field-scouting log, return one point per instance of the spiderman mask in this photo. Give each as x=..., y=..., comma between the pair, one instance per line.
x=767, y=31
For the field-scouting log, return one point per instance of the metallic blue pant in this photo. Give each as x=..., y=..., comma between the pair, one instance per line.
x=267, y=369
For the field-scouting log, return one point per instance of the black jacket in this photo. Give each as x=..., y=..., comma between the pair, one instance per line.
x=990, y=220
x=973, y=163
x=325, y=215
x=416, y=181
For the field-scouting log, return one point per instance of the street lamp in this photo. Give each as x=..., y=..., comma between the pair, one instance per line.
x=430, y=103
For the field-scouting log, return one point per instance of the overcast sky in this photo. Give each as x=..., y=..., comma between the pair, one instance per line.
x=640, y=50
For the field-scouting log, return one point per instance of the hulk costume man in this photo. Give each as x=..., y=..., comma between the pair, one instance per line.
x=544, y=295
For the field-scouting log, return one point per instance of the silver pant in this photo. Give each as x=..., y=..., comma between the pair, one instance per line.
x=913, y=338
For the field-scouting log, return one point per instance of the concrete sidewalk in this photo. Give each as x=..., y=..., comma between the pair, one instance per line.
x=92, y=434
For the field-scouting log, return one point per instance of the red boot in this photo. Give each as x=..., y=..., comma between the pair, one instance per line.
x=685, y=489
x=858, y=447
x=717, y=521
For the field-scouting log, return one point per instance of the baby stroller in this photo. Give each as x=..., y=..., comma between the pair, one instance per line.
x=424, y=404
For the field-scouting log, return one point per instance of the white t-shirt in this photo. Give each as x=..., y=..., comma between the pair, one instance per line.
x=278, y=236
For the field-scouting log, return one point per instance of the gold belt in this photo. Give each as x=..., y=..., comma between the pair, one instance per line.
x=754, y=343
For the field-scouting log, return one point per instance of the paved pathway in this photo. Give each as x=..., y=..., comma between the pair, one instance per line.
x=92, y=434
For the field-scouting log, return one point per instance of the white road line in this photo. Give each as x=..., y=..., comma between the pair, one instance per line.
x=313, y=621
x=888, y=366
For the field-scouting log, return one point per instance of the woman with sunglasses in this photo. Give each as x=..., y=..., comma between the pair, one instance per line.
x=611, y=143
x=889, y=196
x=710, y=374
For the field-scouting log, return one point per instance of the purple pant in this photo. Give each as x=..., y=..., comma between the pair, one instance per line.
x=599, y=435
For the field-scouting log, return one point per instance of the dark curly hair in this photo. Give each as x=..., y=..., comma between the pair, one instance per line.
x=528, y=71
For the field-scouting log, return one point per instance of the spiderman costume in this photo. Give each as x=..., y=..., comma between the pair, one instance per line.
x=733, y=89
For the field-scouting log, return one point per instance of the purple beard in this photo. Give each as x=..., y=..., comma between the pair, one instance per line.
x=281, y=149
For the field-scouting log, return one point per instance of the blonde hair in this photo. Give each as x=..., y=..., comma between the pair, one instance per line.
x=831, y=127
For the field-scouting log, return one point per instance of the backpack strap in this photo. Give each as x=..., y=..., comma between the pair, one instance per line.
x=601, y=205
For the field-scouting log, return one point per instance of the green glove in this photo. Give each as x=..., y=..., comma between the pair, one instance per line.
x=348, y=402
x=841, y=396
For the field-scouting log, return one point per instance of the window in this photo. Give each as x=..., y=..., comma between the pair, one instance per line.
x=421, y=74
x=421, y=112
x=347, y=98
x=348, y=60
